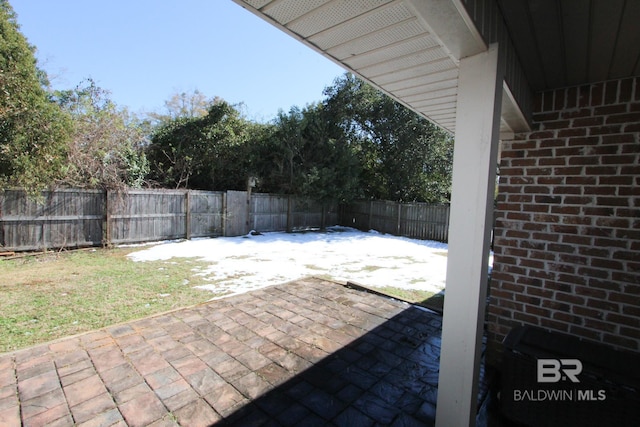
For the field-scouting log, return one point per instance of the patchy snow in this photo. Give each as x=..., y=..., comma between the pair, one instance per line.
x=240, y=264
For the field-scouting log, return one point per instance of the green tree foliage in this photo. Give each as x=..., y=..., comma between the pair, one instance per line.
x=33, y=130
x=208, y=153
x=356, y=143
x=403, y=156
x=106, y=150
x=331, y=170
x=307, y=154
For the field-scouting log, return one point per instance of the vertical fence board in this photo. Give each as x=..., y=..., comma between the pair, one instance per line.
x=236, y=214
x=206, y=209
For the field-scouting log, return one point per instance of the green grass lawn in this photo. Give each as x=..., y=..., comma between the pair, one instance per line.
x=426, y=299
x=49, y=296
x=409, y=295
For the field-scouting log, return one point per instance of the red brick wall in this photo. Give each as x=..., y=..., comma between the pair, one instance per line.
x=567, y=235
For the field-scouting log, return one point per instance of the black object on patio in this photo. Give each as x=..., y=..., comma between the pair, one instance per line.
x=553, y=379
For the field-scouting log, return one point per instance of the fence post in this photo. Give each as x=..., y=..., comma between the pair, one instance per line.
x=370, y=214
x=446, y=226
x=187, y=210
x=248, y=224
x=399, y=222
x=3, y=243
x=289, y=219
x=224, y=214
x=107, y=220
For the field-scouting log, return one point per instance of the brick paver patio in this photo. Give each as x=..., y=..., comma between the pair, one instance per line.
x=310, y=352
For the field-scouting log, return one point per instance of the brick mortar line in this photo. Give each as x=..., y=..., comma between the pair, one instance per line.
x=14, y=367
x=200, y=396
x=97, y=372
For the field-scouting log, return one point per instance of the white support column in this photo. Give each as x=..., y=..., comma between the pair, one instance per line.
x=474, y=172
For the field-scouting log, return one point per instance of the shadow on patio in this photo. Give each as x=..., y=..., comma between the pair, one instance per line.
x=309, y=352
x=387, y=376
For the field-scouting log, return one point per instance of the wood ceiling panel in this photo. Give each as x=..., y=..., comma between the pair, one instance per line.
x=367, y=23
x=627, y=52
x=257, y=3
x=572, y=42
x=519, y=24
x=415, y=96
x=394, y=50
x=433, y=54
x=427, y=88
x=420, y=71
x=285, y=11
x=575, y=18
x=435, y=103
x=330, y=14
x=448, y=123
x=441, y=76
x=440, y=115
x=376, y=40
x=605, y=18
x=547, y=25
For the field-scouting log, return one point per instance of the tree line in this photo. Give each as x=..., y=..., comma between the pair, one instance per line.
x=356, y=143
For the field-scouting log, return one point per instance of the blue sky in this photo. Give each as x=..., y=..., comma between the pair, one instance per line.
x=143, y=51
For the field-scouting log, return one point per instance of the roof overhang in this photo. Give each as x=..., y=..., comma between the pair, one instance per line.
x=409, y=49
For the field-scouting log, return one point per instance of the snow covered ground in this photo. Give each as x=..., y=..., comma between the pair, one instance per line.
x=240, y=264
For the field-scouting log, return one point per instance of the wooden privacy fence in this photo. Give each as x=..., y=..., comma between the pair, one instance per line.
x=274, y=213
x=60, y=219
x=80, y=218
x=151, y=215
x=416, y=220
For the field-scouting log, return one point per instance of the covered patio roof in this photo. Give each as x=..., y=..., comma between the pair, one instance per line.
x=471, y=67
x=574, y=42
x=411, y=49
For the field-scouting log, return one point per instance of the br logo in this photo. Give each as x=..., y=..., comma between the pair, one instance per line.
x=555, y=370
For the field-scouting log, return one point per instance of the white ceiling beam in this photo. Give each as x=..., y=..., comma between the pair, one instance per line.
x=512, y=116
